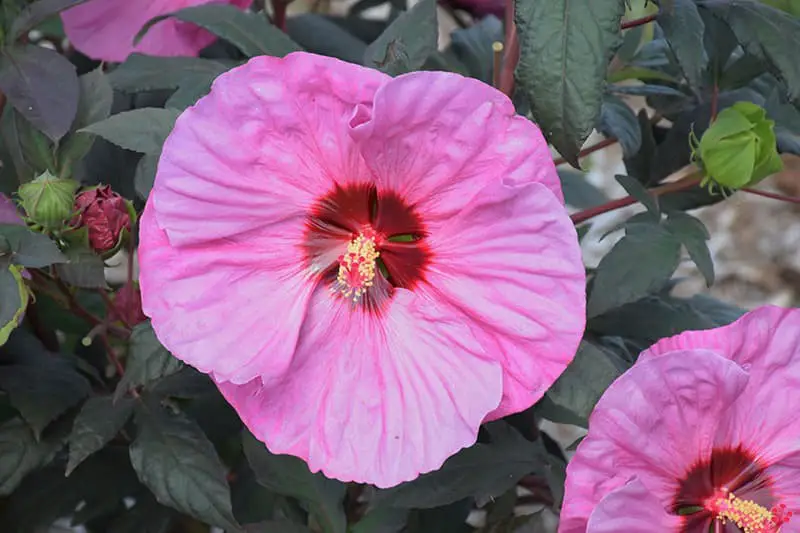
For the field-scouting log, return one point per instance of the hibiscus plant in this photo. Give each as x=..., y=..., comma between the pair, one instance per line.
x=316, y=267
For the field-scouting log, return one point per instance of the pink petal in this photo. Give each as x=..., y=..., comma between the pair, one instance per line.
x=510, y=262
x=631, y=508
x=654, y=422
x=105, y=29
x=439, y=138
x=765, y=343
x=9, y=214
x=269, y=139
x=374, y=400
x=214, y=306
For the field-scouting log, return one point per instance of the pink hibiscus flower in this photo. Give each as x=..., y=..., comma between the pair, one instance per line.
x=368, y=267
x=105, y=29
x=700, y=435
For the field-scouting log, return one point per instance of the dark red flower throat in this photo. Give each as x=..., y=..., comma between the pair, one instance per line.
x=729, y=493
x=366, y=242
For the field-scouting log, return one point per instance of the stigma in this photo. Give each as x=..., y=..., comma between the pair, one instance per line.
x=748, y=516
x=357, y=266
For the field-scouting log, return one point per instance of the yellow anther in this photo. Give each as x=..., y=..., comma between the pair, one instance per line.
x=749, y=516
x=357, y=267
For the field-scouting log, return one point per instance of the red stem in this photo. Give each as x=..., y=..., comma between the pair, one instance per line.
x=638, y=22
x=279, y=14
x=714, y=100
x=679, y=185
x=589, y=150
x=774, y=196
x=511, y=52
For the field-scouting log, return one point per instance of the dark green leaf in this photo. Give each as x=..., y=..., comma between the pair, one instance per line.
x=29, y=248
x=450, y=518
x=84, y=269
x=382, y=520
x=36, y=150
x=741, y=72
x=578, y=191
x=719, y=313
x=40, y=385
x=99, y=421
x=36, y=13
x=148, y=73
x=140, y=130
x=145, y=174
x=584, y=381
x=684, y=29
x=473, y=46
x=276, y=527
x=320, y=35
x=94, y=105
x=646, y=89
x=20, y=453
x=634, y=188
x=765, y=32
x=640, y=263
x=407, y=42
x=176, y=461
x=691, y=232
x=290, y=476
x=249, y=32
x=148, y=360
x=147, y=516
x=482, y=471
x=42, y=85
x=617, y=120
x=650, y=319
x=565, y=48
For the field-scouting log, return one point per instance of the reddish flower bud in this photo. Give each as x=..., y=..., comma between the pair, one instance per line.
x=128, y=303
x=105, y=215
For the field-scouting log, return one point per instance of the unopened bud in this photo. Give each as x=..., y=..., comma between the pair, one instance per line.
x=105, y=216
x=48, y=200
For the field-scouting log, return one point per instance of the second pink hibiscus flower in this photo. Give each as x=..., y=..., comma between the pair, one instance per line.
x=368, y=267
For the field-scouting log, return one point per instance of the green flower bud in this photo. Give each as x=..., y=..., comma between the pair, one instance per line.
x=739, y=148
x=48, y=201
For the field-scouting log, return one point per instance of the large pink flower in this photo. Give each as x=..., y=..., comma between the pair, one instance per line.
x=368, y=267
x=105, y=29
x=700, y=435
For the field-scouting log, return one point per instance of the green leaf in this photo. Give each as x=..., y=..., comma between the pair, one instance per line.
x=290, y=476
x=247, y=31
x=13, y=300
x=175, y=460
x=84, y=269
x=584, y=381
x=635, y=189
x=565, y=48
x=147, y=516
x=42, y=85
x=578, y=191
x=276, y=527
x=37, y=151
x=482, y=471
x=99, y=421
x=640, y=263
x=473, y=46
x=41, y=385
x=140, y=130
x=765, y=32
x=450, y=518
x=28, y=248
x=790, y=6
x=36, y=13
x=684, y=29
x=20, y=453
x=408, y=41
x=148, y=360
x=618, y=120
x=691, y=232
x=320, y=35
x=148, y=73
x=382, y=520
x=94, y=105
x=145, y=174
